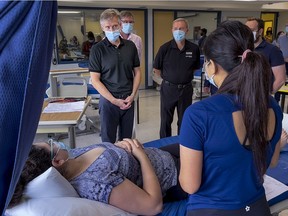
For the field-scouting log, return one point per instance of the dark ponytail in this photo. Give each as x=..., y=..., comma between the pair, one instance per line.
x=248, y=78
x=38, y=162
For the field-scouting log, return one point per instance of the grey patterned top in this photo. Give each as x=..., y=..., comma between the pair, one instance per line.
x=114, y=165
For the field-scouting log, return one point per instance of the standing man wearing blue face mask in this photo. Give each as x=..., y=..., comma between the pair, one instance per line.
x=115, y=73
x=176, y=62
x=127, y=20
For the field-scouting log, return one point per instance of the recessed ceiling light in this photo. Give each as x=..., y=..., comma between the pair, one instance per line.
x=69, y=12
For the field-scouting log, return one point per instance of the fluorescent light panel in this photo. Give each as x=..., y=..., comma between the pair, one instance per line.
x=69, y=12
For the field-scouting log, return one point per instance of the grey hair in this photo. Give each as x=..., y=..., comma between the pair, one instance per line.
x=183, y=20
x=109, y=14
x=126, y=14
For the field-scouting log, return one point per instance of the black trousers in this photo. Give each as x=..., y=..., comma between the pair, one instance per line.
x=259, y=208
x=112, y=117
x=175, y=193
x=173, y=97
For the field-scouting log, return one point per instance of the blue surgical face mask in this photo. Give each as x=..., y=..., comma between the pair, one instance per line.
x=127, y=28
x=60, y=146
x=112, y=35
x=210, y=79
x=179, y=35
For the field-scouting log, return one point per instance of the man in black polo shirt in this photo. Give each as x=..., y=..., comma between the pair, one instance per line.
x=176, y=62
x=115, y=73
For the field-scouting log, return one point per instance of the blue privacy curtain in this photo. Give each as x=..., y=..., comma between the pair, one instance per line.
x=27, y=31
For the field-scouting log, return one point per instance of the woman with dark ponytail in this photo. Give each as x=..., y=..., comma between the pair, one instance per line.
x=229, y=140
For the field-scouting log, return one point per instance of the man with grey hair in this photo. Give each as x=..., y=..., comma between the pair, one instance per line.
x=128, y=21
x=115, y=73
x=176, y=62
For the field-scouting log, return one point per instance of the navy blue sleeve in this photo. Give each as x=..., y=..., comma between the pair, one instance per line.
x=276, y=57
x=193, y=127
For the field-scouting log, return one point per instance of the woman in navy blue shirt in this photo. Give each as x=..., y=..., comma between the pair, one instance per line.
x=229, y=140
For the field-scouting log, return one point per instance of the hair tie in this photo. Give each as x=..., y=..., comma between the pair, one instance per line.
x=245, y=54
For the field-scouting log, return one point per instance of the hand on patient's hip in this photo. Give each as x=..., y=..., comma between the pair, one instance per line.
x=137, y=148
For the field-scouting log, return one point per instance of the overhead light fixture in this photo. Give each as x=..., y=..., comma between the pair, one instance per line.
x=69, y=12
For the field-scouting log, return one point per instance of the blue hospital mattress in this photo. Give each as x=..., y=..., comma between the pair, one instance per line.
x=280, y=172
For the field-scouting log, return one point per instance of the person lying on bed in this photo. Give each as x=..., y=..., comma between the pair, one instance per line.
x=124, y=174
x=229, y=139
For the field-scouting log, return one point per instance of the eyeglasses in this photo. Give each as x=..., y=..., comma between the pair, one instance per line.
x=206, y=63
x=127, y=21
x=52, y=143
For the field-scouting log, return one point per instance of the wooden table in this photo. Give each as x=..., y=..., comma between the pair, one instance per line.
x=61, y=122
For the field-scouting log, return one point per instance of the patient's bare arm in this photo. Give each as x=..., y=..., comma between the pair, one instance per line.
x=283, y=139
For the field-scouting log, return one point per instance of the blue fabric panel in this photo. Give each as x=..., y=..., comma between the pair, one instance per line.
x=26, y=41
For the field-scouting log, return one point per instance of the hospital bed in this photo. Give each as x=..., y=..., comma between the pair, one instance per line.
x=61, y=199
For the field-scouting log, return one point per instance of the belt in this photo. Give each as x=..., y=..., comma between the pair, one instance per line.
x=179, y=86
x=124, y=96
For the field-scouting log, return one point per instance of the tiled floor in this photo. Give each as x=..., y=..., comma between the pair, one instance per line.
x=146, y=130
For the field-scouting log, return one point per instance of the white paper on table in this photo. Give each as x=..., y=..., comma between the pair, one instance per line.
x=273, y=187
x=64, y=107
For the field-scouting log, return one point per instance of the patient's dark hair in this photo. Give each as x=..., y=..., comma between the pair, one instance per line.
x=39, y=160
x=248, y=80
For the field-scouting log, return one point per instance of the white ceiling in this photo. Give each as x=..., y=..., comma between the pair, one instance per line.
x=232, y=5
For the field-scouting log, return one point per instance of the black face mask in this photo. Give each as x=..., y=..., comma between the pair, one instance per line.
x=201, y=34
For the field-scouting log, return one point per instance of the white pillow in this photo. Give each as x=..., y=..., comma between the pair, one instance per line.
x=50, y=194
x=64, y=206
x=49, y=184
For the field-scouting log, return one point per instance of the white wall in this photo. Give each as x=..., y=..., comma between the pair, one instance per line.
x=204, y=20
x=241, y=16
x=70, y=30
x=282, y=21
